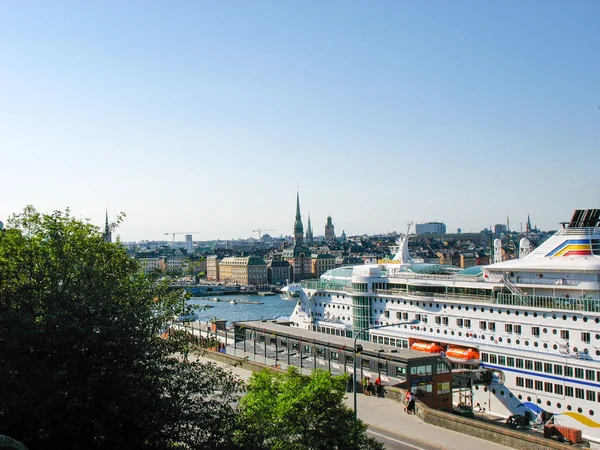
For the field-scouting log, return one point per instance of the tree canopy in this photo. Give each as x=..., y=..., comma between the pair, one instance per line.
x=298, y=412
x=84, y=365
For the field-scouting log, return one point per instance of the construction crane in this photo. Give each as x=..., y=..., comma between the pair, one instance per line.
x=182, y=232
x=260, y=230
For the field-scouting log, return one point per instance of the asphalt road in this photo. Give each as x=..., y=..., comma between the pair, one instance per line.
x=397, y=441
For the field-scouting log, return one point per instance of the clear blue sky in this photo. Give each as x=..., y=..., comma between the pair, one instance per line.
x=206, y=115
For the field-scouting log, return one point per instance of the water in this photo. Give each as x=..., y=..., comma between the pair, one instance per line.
x=274, y=307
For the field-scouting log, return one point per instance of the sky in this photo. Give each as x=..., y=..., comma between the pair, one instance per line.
x=208, y=116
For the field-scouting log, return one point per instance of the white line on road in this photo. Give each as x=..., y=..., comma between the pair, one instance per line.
x=395, y=440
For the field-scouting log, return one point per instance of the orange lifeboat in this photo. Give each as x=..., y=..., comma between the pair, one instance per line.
x=463, y=355
x=428, y=347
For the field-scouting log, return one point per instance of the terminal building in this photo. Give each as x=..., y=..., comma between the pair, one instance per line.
x=431, y=228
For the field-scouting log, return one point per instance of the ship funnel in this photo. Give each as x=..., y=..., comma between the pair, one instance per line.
x=497, y=251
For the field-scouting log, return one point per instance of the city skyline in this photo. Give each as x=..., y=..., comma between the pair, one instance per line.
x=207, y=116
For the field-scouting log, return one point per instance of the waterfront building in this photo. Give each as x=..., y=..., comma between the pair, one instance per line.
x=321, y=263
x=148, y=265
x=329, y=230
x=431, y=228
x=297, y=255
x=212, y=268
x=176, y=264
x=243, y=270
x=279, y=271
x=107, y=233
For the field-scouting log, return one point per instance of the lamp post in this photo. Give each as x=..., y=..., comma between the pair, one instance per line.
x=411, y=322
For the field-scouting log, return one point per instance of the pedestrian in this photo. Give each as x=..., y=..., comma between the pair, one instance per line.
x=406, y=401
x=379, y=387
x=366, y=386
x=410, y=409
x=186, y=350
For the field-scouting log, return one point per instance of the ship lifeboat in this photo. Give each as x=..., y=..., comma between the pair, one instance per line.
x=463, y=355
x=428, y=347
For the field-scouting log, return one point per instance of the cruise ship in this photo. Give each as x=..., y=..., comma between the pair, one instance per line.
x=534, y=322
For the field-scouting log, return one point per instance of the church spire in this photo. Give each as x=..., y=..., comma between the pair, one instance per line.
x=298, y=227
x=309, y=232
x=107, y=233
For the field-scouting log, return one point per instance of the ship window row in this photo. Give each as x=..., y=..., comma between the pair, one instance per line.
x=542, y=367
x=592, y=395
x=558, y=389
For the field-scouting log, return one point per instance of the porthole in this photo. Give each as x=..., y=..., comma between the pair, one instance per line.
x=597, y=336
x=597, y=352
x=555, y=347
x=528, y=398
x=539, y=401
x=417, y=303
x=526, y=342
x=516, y=313
x=517, y=342
x=554, y=316
x=494, y=391
x=579, y=410
x=411, y=303
x=474, y=336
x=460, y=333
x=586, y=351
x=591, y=412
x=502, y=393
x=459, y=307
x=545, y=330
x=564, y=317
x=482, y=309
x=535, y=344
x=534, y=314
x=405, y=302
x=438, y=331
x=544, y=315
x=569, y=407
x=525, y=313
x=508, y=312
x=438, y=306
x=445, y=306
x=484, y=389
x=554, y=331
x=508, y=340
x=431, y=305
x=445, y=331
x=492, y=310
x=499, y=311
x=476, y=387
x=585, y=319
x=597, y=320
x=451, y=306
x=520, y=397
x=549, y=403
x=491, y=338
x=574, y=318
x=466, y=308
x=431, y=330
x=452, y=333
x=511, y=395
x=545, y=345
x=558, y=405
x=575, y=349
x=499, y=339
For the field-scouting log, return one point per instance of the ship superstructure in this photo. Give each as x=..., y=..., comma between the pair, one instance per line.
x=533, y=321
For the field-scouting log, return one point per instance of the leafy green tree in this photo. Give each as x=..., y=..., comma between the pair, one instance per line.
x=293, y=411
x=83, y=363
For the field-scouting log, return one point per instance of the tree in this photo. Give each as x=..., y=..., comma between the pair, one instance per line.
x=293, y=411
x=83, y=363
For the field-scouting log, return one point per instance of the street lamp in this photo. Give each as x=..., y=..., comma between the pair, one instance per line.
x=410, y=322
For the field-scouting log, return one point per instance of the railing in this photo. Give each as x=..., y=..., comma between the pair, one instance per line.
x=321, y=285
x=585, y=231
x=421, y=276
x=563, y=303
x=434, y=295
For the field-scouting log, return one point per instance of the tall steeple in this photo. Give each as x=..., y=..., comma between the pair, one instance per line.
x=298, y=228
x=309, y=232
x=528, y=226
x=107, y=232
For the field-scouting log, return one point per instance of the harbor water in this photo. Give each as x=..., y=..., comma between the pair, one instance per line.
x=272, y=307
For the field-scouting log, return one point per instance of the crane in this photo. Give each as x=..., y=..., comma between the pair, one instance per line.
x=260, y=230
x=183, y=232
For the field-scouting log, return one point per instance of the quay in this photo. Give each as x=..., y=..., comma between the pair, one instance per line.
x=249, y=346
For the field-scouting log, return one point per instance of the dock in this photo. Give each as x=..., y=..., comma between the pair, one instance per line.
x=265, y=293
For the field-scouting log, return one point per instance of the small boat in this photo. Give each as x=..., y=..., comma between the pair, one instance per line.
x=428, y=347
x=463, y=355
x=233, y=302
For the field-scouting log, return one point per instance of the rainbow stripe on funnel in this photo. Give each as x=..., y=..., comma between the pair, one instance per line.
x=573, y=247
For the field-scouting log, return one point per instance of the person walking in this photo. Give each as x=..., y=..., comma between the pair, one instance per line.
x=366, y=386
x=406, y=401
x=379, y=387
x=410, y=409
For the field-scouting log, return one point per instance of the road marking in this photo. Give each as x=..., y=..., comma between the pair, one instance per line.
x=395, y=440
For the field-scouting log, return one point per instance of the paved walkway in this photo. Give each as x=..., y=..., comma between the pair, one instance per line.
x=389, y=415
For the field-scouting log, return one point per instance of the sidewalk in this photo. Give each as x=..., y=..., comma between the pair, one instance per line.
x=389, y=415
